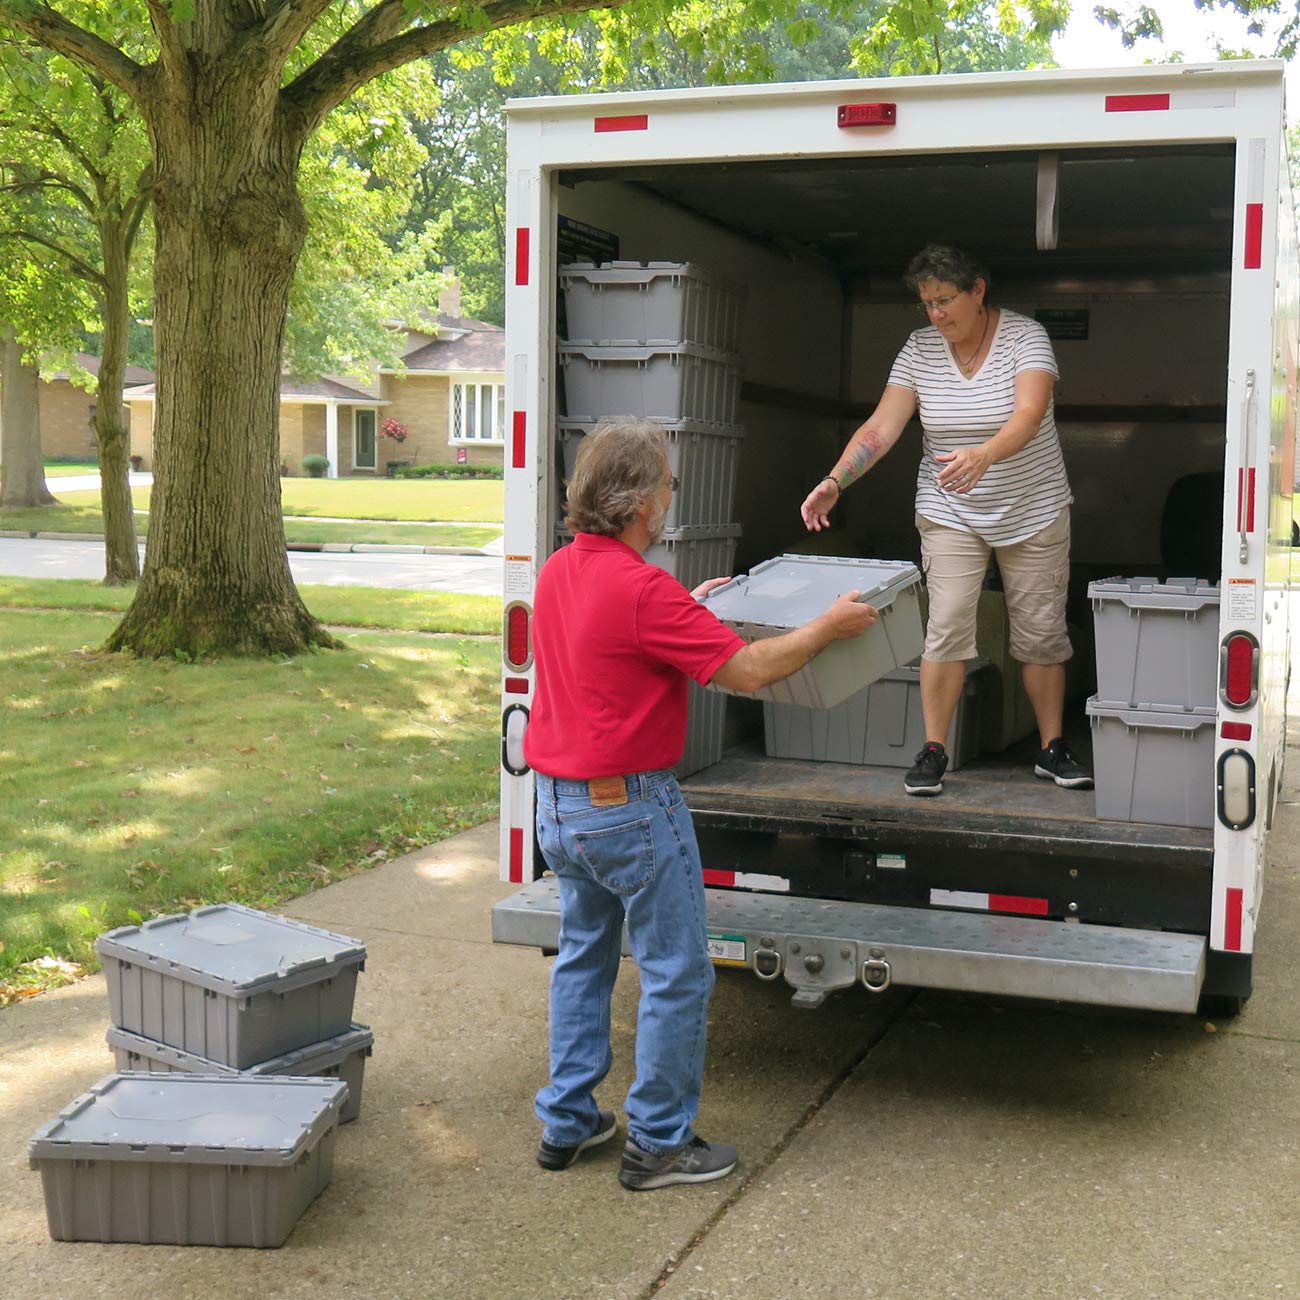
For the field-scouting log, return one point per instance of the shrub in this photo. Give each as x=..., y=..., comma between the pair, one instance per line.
x=448, y=471
x=315, y=465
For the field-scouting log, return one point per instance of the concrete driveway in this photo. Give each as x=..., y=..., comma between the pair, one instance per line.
x=918, y=1146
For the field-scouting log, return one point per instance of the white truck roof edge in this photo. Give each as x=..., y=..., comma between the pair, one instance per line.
x=1228, y=70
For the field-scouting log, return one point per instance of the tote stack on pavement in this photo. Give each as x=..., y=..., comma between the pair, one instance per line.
x=1154, y=715
x=243, y=1023
x=661, y=340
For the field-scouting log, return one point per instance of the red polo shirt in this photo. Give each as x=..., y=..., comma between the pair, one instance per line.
x=614, y=640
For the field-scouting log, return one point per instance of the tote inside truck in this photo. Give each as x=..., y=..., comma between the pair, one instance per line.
x=1144, y=217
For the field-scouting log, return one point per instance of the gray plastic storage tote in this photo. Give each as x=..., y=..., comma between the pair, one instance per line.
x=706, y=715
x=232, y=984
x=881, y=726
x=188, y=1159
x=1157, y=642
x=1152, y=764
x=704, y=457
x=791, y=590
x=666, y=382
x=343, y=1058
x=691, y=555
x=652, y=302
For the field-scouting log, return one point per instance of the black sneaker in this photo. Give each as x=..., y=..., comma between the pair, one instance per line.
x=1057, y=763
x=550, y=1157
x=925, y=776
x=697, y=1162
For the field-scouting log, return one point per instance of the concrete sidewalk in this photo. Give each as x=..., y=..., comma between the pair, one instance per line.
x=937, y=1146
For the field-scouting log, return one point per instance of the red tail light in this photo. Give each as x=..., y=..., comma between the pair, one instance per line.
x=1239, y=670
x=867, y=114
x=518, y=646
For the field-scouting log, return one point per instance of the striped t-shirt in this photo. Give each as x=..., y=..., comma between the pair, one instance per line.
x=1019, y=496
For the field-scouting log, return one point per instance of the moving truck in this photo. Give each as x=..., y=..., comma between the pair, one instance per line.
x=1145, y=216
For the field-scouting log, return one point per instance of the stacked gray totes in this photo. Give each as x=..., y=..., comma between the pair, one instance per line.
x=660, y=340
x=237, y=1060
x=1154, y=715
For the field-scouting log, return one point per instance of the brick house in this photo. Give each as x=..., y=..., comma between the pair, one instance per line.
x=449, y=395
x=67, y=412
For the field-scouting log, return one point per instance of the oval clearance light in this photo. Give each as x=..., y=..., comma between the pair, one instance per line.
x=1236, y=789
x=1239, y=670
x=514, y=722
x=518, y=647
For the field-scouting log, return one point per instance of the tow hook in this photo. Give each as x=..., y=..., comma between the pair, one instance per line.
x=767, y=961
x=877, y=974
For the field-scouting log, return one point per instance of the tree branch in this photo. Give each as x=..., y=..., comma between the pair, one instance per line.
x=169, y=39
x=287, y=22
x=55, y=32
x=81, y=269
x=48, y=181
x=138, y=206
x=351, y=62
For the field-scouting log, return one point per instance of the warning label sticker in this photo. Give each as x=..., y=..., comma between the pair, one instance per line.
x=727, y=949
x=1241, y=599
x=519, y=575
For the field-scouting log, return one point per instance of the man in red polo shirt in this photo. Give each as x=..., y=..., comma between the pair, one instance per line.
x=615, y=640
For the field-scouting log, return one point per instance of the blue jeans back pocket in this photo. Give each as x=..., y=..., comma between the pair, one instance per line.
x=622, y=858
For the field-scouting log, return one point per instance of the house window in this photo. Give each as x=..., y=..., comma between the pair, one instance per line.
x=364, y=424
x=478, y=413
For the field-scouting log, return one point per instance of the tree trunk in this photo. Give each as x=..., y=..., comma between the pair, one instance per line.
x=22, y=470
x=230, y=226
x=121, y=556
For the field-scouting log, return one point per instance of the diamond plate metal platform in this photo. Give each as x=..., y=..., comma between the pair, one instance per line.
x=820, y=945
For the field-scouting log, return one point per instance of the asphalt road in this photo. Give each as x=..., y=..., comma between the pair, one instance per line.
x=466, y=574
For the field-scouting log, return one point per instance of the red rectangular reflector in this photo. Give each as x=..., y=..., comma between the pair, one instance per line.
x=1136, y=103
x=516, y=855
x=1254, y=235
x=521, y=254
x=519, y=440
x=1014, y=903
x=1246, y=499
x=519, y=686
x=1235, y=731
x=1232, y=921
x=867, y=114
x=719, y=877
x=627, y=122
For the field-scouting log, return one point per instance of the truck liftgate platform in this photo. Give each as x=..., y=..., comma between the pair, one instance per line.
x=821, y=945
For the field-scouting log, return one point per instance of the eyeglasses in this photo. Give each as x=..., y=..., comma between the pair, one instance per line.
x=674, y=483
x=936, y=304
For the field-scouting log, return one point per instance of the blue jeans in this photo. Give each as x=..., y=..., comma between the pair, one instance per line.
x=637, y=862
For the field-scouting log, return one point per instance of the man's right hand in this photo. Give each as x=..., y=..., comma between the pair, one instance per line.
x=848, y=617
x=817, y=506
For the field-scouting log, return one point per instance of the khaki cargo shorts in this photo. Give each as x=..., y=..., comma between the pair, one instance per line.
x=1035, y=575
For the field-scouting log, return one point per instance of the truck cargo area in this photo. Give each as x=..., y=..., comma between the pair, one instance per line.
x=1131, y=274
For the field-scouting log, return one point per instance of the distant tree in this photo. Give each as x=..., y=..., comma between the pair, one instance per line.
x=75, y=185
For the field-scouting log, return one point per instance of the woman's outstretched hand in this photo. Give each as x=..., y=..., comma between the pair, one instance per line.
x=963, y=469
x=817, y=506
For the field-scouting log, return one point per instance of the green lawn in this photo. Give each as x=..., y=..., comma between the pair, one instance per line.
x=406, y=611
x=80, y=513
x=67, y=468
x=130, y=789
x=416, y=500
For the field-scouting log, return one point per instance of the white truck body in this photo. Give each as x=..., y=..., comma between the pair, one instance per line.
x=1151, y=203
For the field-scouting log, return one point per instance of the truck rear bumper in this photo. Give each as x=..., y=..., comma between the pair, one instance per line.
x=820, y=945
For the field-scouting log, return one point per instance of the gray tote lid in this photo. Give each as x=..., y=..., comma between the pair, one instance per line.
x=310, y=1060
x=791, y=590
x=1151, y=593
x=188, y=1118
x=232, y=949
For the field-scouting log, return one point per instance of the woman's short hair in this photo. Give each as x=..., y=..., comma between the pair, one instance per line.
x=949, y=265
x=620, y=463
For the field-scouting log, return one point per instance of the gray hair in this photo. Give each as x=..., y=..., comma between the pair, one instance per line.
x=947, y=264
x=619, y=465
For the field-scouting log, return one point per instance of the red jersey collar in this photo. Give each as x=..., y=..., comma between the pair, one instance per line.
x=598, y=542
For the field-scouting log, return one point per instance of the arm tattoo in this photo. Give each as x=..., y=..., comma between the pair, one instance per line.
x=865, y=448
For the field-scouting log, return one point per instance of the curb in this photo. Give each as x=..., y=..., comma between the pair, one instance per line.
x=354, y=548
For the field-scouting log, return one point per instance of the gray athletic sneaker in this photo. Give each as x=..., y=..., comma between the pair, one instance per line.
x=697, y=1162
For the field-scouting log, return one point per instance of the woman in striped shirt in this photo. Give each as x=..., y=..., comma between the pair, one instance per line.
x=991, y=479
